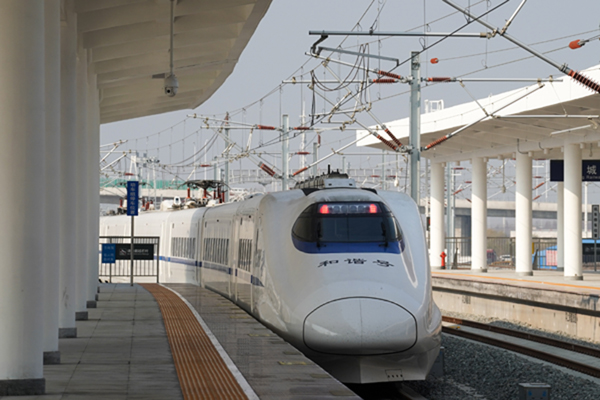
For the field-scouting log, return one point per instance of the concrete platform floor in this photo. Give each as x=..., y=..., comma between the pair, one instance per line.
x=545, y=301
x=541, y=279
x=122, y=352
x=274, y=369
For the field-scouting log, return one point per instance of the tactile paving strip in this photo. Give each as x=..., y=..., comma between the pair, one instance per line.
x=202, y=372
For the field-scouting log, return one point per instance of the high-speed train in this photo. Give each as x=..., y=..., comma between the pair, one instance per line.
x=341, y=273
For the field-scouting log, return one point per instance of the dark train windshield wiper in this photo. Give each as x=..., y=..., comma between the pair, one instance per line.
x=319, y=234
x=384, y=232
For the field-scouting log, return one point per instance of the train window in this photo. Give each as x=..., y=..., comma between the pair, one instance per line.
x=216, y=250
x=244, y=253
x=327, y=224
x=183, y=247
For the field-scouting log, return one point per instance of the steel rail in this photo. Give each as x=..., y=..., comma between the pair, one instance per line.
x=590, y=351
x=552, y=358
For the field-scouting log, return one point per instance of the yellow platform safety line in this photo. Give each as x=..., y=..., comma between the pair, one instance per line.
x=202, y=372
x=449, y=274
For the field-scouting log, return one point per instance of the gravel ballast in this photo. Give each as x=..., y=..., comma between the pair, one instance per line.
x=478, y=371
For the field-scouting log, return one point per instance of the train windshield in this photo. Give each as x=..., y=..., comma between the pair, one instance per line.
x=323, y=227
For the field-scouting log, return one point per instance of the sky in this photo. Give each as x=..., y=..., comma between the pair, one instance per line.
x=277, y=51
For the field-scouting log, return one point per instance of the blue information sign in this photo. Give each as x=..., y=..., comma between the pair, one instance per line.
x=132, y=197
x=109, y=253
x=590, y=170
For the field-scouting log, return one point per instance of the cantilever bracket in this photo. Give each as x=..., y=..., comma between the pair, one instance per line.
x=313, y=48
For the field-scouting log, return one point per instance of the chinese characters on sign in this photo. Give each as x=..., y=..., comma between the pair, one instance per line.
x=590, y=170
x=109, y=253
x=354, y=261
x=132, y=198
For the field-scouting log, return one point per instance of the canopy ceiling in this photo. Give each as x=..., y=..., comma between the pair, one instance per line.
x=128, y=42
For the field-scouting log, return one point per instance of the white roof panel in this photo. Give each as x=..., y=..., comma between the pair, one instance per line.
x=499, y=137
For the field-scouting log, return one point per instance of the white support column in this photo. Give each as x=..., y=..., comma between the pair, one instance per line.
x=560, y=226
x=479, y=216
x=93, y=188
x=52, y=189
x=22, y=228
x=572, y=213
x=68, y=148
x=437, y=235
x=81, y=166
x=523, y=215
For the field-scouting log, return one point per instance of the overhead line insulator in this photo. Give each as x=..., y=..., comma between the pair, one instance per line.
x=436, y=142
x=300, y=171
x=301, y=128
x=585, y=81
x=385, y=141
x=439, y=79
x=266, y=168
x=384, y=80
x=391, y=135
x=435, y=60
x=388, y=74
x=266, y=128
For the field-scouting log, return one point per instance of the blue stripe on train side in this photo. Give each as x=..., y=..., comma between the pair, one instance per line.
x=358, y=247
x=216, y=267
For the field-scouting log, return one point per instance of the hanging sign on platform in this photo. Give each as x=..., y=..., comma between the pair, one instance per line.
x=590, y=170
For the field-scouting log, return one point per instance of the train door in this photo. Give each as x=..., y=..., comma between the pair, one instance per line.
x=228, y=250
x=256, y=266
x=234, y=259
x=244, y=239
x=199, y=243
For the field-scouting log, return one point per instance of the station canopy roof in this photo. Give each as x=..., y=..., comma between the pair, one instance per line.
x=128, y=42
x=536, y=124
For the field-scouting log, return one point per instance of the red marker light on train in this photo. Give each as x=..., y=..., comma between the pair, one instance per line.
x=324, y=209
x=348, y=208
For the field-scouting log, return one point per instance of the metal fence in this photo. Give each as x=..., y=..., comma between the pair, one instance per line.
x=148, y=267
x=501, y=252
x=591, y=254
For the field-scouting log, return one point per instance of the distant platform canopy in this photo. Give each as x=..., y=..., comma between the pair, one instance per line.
x=561, y=112
x=128, y=41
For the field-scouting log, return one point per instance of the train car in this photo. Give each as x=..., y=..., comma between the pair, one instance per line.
x=341, y=273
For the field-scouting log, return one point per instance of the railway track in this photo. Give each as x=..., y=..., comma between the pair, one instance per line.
x=588, y=363
x=385, y=391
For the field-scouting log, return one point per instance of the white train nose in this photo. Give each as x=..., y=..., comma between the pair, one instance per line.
x=360, y=326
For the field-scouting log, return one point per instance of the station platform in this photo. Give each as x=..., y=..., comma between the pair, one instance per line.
x=545, y=300
x=129, y=349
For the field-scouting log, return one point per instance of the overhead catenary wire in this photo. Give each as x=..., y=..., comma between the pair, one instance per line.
x=275, y=90
x=486, y=116
x=563, y=68
x=278, y=137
